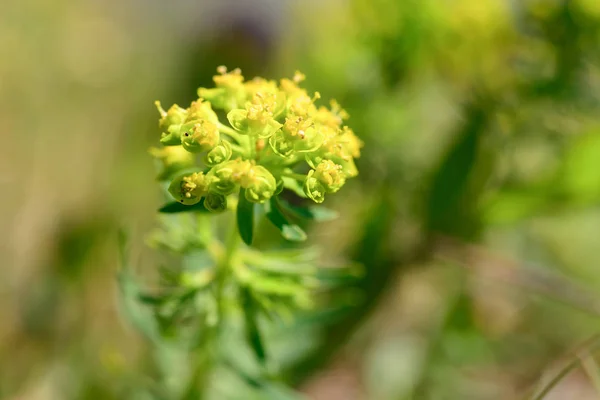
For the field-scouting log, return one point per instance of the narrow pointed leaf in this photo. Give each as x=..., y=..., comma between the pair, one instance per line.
x=245, y=218
x=289, y=231
x=253, y=335
x=313, y=213
x=175, y=207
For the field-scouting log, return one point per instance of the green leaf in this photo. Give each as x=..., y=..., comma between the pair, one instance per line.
x=276, y=286
x=280, y=266
x=175, y=207
x=289, y=231
x=458, y=181
x=252, y=331
x=293, y=185
x=245, y=218
x=313, y=212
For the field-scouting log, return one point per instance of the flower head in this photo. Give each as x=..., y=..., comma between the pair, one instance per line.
x=203, y=136
x=189, y=189
x=219, y=154
x=271, y=127
x=259, y=183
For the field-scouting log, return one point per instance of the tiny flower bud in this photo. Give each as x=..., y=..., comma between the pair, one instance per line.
x=238, y=120
x=170, y=123
x=226, y=176
x=215, y=202
x=228, y=80
x=260, y=184
x=330, y=175
x=252, y=122
x=314, y=189
x=281, y=145
x=188, y=189
x=221, y=153
x=229, y=93
x=175, y=116
x=203, y=136
x=201, y=110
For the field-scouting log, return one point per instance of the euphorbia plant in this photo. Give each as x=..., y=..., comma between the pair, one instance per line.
x=233, y=155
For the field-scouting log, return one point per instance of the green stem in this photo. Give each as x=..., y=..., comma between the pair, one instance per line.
x=291, y=174
x=224, y=255
x=224, y=268
x=232, y=133
x=252, y=146
x=239, y=149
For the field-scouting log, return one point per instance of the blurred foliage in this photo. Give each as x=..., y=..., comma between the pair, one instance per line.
x=475, y=213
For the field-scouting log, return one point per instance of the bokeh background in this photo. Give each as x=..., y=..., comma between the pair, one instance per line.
x=475, y=213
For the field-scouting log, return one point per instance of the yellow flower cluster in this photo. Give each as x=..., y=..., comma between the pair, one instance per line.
x=275, y=131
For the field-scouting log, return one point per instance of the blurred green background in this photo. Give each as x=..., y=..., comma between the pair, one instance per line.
x=475, y=212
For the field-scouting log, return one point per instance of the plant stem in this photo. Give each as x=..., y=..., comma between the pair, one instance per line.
x=224, y=268
x=231, y=132
x=294, y=175
x=252, y=146
x=224, y=255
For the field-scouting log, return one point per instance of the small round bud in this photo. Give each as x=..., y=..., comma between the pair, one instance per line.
x=175, y=116
x=189, y=189
x=229, y=80
x=221, y=153
x=260, y=184
x=201, y=110
x=170, y=123
x=314, y=189
x=229, y=93
x=238, y=120
x=330, y=175
x=203, y=136
x=226, y=176
x=281, y=145
x=215, y=202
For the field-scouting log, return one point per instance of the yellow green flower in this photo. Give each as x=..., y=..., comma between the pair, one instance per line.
x=189, y=189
